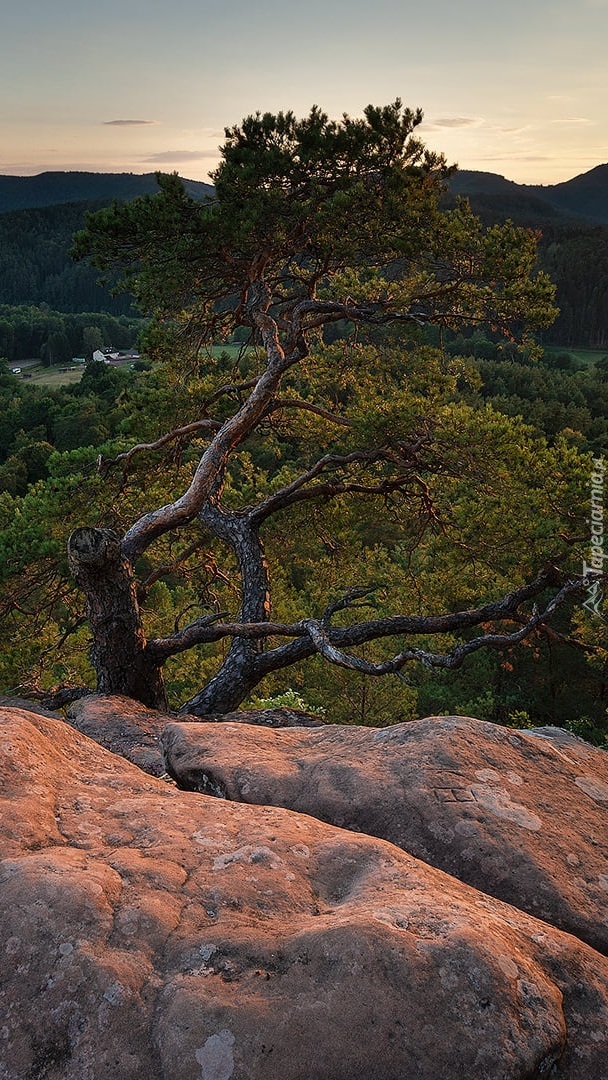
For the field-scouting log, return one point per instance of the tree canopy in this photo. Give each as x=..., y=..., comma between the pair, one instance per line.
x=316, y=221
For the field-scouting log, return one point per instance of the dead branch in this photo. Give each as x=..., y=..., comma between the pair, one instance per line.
x=294, y=492
x=355, y=597
x=175, y=564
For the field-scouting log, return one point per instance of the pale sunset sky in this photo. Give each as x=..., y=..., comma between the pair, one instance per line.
x=137, y=85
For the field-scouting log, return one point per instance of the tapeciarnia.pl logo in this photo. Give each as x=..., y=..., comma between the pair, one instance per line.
x=594, y=570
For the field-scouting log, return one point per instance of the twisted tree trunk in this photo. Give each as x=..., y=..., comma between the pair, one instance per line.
x=239, y=673
x=118, y=652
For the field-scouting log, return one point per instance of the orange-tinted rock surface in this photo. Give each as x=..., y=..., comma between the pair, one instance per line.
x=521, y=816
x=132, y=730
x=123, y=726
x=149, y=933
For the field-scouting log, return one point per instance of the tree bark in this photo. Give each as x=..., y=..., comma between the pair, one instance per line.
x=239, y=673
x=229, y=687
x=118, y=652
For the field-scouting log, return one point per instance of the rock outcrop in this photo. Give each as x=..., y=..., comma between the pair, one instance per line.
x=150, y=933
x=132, y=730
x=521, y=816
x=122, y=726
x=8, y=701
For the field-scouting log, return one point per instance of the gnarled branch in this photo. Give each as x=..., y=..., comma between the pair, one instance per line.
x=297, y=491
x=320, y=638
x=307, y=406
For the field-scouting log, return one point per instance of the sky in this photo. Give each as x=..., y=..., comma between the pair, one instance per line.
x=518, y=89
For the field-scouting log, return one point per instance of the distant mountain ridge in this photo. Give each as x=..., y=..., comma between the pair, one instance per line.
x=585, y=197
x=56, y=188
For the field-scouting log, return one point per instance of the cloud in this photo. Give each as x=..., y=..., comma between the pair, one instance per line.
x=127, y=123
x=453, y=122
x=179, y=155
x=514, y=157
x=573, y=120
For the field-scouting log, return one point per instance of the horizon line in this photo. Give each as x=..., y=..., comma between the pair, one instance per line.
x=151, y=172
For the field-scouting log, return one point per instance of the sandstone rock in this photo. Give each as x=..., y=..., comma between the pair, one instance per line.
x=123, y=726
x=9, y=702
x=273, y=718
x=127, y=728
x=521, y=816
x=148, y=933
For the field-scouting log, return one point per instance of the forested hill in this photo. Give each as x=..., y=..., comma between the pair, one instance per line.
x=36, y=268
x=584, y=198
x=573, y=222
x=53, y=188
x=38, y=218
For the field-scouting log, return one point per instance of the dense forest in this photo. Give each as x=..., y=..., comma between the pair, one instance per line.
x=572, y=225
x=38, y=420
x=576, y=258
x=456, y=462
x=38, y=218
x=557, y=394
x=35, y=266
